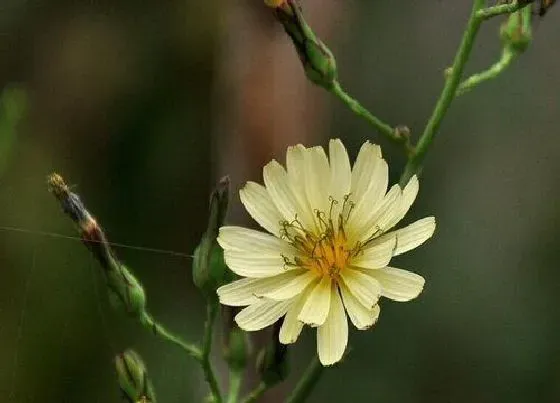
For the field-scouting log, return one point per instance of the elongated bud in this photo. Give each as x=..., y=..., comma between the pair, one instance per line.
x=236, y=348
x=317, y=59
x=209, y=268
x=133, y=378
x=516, y=31
x=272, y=361
x=124, y=287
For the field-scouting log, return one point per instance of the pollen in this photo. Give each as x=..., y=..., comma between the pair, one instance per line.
x=324, y=249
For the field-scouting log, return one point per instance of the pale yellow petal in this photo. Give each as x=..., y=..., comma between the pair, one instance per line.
x=365, y=288
x=282, y=194
x=317, y=178
x=317, y=304
x=292, y=288
x=414, y=235
x=253, y=242
x=255, y=265
x=248, y=291
x=261, y=314
x=291, y=327
x=295, y=167
x=341, y=176
x=260, y=206
x=398, y=210
x=370, y=177
x=362, y=317
x=332, y=336
x=362, y=226
x=398, y=284
x=376, y=253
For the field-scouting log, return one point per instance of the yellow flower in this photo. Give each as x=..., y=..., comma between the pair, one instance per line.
x=329, y=251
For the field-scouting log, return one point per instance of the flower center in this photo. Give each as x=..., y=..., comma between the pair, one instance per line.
x=325, y=249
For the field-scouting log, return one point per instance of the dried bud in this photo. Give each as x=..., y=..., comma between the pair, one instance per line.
x=317, y=59
x=209, y=268
x=133, y=378
x=272, y=361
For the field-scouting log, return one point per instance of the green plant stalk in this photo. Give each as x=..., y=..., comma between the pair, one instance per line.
x=159, y=330
x=478, y=15
x=307, y=383
x=416, y=158
x=385, y=129
x=256, y=393
x=235, y=382
x=494, y=11
x=124, y=285
x=209, y=374
x=508, y=56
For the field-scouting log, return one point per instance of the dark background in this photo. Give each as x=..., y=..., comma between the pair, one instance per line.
x=144, y=105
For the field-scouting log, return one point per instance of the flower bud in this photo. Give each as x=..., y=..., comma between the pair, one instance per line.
x=236, y=348
x=133, y=378
x=516, y=30
x=209, y=268
x=317, y=59
x=126, y=290
x=272, y=361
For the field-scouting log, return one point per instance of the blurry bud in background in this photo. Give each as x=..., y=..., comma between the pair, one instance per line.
x=236, y=348
x=133, y=378
x=272, y=361
x=209, y=268
x=318, y=61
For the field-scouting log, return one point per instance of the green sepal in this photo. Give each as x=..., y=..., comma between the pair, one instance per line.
x=317, y=59
x=516, y=32
x=236, y=349
x=209, y=268
x=133, y=378
x=125, y=290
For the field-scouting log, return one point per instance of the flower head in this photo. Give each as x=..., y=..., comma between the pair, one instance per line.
x=328, y=250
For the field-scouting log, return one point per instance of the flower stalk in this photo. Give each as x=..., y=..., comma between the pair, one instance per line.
x=478, y=15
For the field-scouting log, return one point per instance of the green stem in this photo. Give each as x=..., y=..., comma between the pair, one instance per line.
x=235, y=382
x=447, y=95
x=489, y=12
x=508, y=56
x=211, y=312
x=159, y=330
x=256, y=393
x=307, y=382
x=384, y=128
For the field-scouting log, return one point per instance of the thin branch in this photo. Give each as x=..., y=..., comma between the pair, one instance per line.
x=447, y=95
x=391, y=133
x=209, y=374
x=508, y=56
x=494, y=11
x=307, y=383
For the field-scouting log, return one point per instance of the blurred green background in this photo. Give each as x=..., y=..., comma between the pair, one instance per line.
x=143, y=105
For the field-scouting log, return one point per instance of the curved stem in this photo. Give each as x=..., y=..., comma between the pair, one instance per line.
x=235, y=382
x=508, y=56
x=489, y=12
x=211, y=311
x=447, y=95
x=384, y=128
x=159, y=330
x=307, y=383
x=256, y=393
